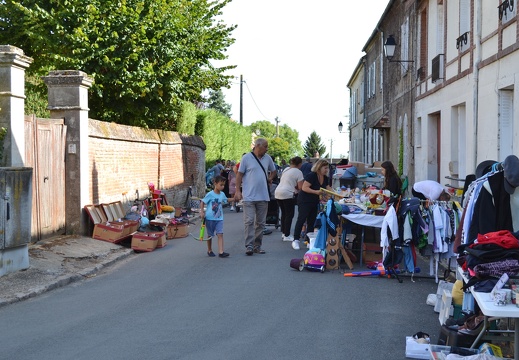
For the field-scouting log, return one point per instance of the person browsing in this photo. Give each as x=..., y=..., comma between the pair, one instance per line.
x=290, y=184
x=430, y=190
x=308, y=198
x=392, y=181
x=253, y=180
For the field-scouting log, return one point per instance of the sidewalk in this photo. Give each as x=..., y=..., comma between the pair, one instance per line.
x=57, y=262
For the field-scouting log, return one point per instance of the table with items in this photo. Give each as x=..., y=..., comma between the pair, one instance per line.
x=364, y=207
x=493, y=311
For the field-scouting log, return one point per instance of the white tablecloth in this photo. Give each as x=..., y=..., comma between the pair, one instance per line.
x=365, y=219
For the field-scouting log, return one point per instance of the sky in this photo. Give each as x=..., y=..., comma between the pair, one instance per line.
x=296, y=58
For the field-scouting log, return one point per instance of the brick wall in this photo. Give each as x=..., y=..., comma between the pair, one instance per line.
x=125, y=159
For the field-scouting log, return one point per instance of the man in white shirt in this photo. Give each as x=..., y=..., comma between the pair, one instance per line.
x=430, y=190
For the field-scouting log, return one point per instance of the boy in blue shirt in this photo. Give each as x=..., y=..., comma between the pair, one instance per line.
x=214, y=214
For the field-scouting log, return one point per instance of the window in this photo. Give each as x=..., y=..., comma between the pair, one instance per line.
x=507, y=11
x=463, y=41
x=418, y=133
x=506, y=125
x=371, y=80
x=404, y=50
x=353, y=107
x=437, y=68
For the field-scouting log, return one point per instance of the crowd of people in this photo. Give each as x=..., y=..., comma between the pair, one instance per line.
x=256, y=180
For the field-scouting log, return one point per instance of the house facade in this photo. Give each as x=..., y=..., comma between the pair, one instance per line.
x=445, y=101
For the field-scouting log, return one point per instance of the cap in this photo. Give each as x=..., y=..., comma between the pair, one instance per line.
x=511, y=172
x=484, y=167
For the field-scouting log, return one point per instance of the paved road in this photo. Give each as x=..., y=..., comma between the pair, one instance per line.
x=177, y=303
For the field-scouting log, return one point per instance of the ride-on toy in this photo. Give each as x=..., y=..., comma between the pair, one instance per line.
x=314, y=260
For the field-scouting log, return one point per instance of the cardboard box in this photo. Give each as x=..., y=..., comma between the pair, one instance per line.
x=175, y=231
x=111, y=231
x=146, y=241
x=108, y=232
x=161, y=242
x=414, y=350
x=113, y=213
x=371, y=252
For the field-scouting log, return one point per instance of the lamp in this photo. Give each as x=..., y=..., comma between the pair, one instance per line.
x=389, y=49
x=340, y=126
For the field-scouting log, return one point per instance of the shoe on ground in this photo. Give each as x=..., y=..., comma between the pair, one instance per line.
x=267, y=231
x=287, y=238
x=223, y=255
x=210, y=254
x=249, y=252
x=295, y=245
x=232, y=208
x=259, y=251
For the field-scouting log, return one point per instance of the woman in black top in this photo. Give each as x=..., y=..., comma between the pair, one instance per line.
x=308, y=198
x=392, y=181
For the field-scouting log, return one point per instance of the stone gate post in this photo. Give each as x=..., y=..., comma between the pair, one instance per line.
x=68, y=99
x=13, y=64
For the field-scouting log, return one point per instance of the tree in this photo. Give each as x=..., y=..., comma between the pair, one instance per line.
x=313, y=144
x=217, y=102
x=147, y=57
x=284, y=146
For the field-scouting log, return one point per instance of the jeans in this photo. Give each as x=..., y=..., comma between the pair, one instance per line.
x=254, y=217
x=287, y=207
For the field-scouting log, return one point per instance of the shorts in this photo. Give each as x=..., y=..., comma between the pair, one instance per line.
x=214, y=227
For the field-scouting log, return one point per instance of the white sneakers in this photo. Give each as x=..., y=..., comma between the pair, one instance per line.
x=232, y=208
x=295, y=244
x=287, y=238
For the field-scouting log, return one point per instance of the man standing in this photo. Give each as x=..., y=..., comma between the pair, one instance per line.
x=306, y=168
x=254, y=176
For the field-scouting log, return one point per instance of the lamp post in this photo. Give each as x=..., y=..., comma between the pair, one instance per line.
x=389, y=50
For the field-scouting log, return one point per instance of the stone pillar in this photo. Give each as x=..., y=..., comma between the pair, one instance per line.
x=68, y=99
x=12, y=101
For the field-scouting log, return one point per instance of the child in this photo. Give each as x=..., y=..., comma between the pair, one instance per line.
x=214, y=217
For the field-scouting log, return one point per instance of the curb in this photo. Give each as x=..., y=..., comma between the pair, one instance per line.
x=67, y=279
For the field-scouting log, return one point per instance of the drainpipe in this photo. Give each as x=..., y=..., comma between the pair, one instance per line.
x=364, y=118
x=475, y=89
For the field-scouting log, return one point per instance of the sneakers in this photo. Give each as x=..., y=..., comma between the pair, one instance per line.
x=223, y=255
x=287, y=238
x=232, y=208
x=266, y=231
x=259, y=251
x=210, y=254
x=295, y=245
x=249, y=252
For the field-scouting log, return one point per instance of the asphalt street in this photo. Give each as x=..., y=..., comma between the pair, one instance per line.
x=178, y=303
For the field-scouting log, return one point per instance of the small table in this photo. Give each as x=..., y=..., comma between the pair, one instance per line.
x=364, y=220
x=488, y=309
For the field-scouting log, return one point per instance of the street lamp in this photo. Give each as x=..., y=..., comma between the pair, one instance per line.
x=340, y=126
x=389, y=50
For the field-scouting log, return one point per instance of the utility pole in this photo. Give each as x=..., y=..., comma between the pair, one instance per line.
x=277, y=127
x=331, y=145
x=241, y=100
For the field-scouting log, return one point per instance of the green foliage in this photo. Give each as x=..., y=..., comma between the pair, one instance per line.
x=217, y=102
x=147, y=57
x=187, y=121
x=36, y=100
x=313, y=144
x=224, y=138
x=284, y=146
